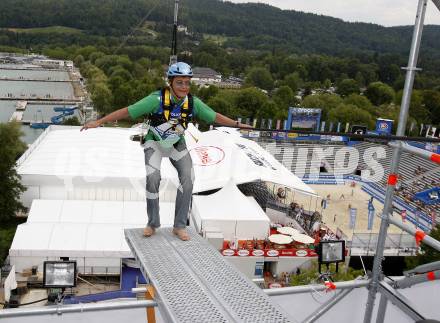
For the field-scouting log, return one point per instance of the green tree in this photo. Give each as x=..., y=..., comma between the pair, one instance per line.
x=102, y=98
x=79, y=60
x=325, y=102
x=431, y=100
x=361, y=102
x=221, y=105
x=379, y=93
x=327, y=84
x=293, y=81
x=351, y=114
x=284, y=97
x=347, y=87
x=207, y=92
x=249, y=101
x=416, y=108
x=7, y=233
x=10, y=189
x=259, y=77
x=122, y=96
x=309, y=276
x=73, y=121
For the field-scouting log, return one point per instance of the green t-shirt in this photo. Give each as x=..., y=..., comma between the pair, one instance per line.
x=151, y=104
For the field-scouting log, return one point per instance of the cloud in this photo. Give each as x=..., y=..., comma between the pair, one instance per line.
x=386, y=13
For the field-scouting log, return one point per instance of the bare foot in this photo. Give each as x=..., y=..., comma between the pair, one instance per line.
x=149, y=231
x=181, y=233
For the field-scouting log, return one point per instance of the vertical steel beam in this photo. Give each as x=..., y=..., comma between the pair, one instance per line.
x=403, y=117
x=382, y=309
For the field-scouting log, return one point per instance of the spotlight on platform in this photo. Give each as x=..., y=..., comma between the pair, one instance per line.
x=330, y=252
x=59, y=274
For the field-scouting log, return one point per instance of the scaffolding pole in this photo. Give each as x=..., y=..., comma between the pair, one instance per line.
x=77, y=308
x=327, y=306
x=403, y=117
x=380, y=318
x=173, y=56
x=419, y=235
x=417, y=151
x=316, y=288
x=417, y=279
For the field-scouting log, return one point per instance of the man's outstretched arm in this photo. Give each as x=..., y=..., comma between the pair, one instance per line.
x=116, y=115
x=225, y=121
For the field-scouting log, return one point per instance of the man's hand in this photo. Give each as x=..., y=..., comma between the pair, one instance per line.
x=245, y=126
x=91, y=124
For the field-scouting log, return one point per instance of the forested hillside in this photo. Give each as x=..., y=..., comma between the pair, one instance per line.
x=353, y=70
x=251, y=26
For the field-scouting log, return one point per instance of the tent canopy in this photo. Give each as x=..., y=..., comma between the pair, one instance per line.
x=81, y=228
x=106, y=157
x=236, y=215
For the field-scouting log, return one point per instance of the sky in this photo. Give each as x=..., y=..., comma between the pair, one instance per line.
x=382, y=12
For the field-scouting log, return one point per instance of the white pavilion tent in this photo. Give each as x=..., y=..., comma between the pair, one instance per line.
x=90, y=232
x=230, y=211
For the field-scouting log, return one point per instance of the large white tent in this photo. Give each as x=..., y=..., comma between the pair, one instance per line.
x=90, y=232
x=234, y=214
x=65, y=163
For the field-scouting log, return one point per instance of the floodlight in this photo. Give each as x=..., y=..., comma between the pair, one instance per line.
x=59, y=274
x=331, y=251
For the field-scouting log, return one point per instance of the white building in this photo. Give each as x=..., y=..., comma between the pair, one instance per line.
x=206, y=76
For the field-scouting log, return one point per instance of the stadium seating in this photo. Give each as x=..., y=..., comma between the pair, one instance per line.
x=302, y=158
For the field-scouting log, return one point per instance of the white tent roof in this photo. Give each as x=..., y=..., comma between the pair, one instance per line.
x=82, y=228
x=236, y=215
x=106, y=156
x=221, y=155
x=228, y=204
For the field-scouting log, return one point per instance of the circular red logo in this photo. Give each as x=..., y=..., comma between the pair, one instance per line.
x=207, y=155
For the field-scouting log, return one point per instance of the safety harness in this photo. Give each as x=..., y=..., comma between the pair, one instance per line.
x=164, y=114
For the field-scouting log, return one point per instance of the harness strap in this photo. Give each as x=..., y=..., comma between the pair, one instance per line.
x=186, y=109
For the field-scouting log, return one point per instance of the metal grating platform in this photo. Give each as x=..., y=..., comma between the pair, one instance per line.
x=195, y=284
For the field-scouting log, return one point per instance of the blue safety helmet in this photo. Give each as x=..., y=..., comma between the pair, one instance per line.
x=180, y=69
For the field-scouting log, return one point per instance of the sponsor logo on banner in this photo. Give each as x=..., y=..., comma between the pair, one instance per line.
x=274, y=134
x=243, y=253
x=257, y=253
x=255, y=156
x=275, y=285
x=228, y=252
x=292, y=135
x=301, y=253
x=272, y=253
x=254, y=134
x=281, y=135
x=383, y=126
x=207, y=155
x=287, y=252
